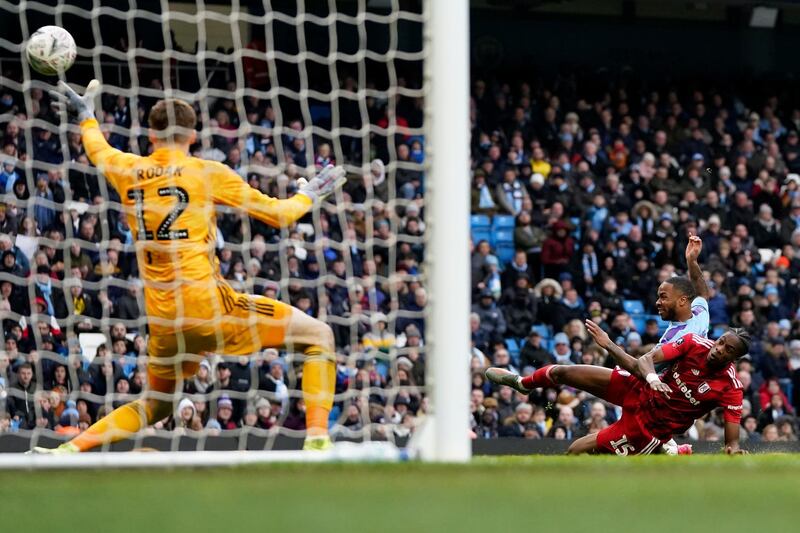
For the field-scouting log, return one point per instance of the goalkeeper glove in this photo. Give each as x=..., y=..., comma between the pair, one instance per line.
x=76, y=105
x=323, y=184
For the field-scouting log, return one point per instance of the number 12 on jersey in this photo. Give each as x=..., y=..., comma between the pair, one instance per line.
x=164, y=232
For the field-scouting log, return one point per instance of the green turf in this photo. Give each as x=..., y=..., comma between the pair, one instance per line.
x=712, y=494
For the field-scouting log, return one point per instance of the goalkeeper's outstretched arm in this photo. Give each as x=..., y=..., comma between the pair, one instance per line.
x=110, y=162
x=228, y=188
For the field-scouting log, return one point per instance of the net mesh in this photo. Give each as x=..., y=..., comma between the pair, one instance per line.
x=281, y=89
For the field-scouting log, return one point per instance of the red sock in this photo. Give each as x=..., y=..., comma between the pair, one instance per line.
x=540, y=378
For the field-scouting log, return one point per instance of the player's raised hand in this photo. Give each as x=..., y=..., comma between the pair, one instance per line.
x=323, y=184
x=600, y=337
x=693, y=248
x=75, y=104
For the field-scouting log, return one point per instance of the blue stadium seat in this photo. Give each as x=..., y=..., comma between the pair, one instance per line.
x=503, y=236
x=505, y=252
x=503, y=222
x=633, y=307
x=513, y=349
x=481, y=229
x=320, y=114
x=543, y=330
x=479, y=221
x=639, y=321
x=576, y=223
x=717, y=332
x=481, y=234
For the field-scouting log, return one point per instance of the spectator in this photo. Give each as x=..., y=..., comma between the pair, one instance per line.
x=274, y=382
x=532, y=355
x=767, y=392
x=557, y=250
x=520, y=307
x=266, y=419
x=225, y=416
x=597, y=419
x=770, y=433
x=185, y=416
x=787, y=429
x=561, y=350
x=510, y=193
x=772, y=412
x=492, y=321
x=20, y=403
x=566, y=423
x=489, y=420
x=201, y=382
x=517, y=425
x=224, y=382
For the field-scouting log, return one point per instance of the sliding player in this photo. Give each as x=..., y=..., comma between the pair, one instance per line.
x=169, y=199
x=700, y=378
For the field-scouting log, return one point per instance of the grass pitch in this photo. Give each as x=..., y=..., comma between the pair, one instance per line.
x=676, y=494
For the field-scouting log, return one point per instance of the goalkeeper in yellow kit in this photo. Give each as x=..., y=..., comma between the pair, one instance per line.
x=169, y=199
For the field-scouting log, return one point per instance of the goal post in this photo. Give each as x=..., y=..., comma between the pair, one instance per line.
x=448, y=261
x=312, y=74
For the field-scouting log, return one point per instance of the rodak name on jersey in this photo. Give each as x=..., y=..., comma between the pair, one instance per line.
x=159, y=171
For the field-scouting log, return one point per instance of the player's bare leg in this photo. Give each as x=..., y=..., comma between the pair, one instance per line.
x=316, y=340
x=585, y=444
x=589, y=378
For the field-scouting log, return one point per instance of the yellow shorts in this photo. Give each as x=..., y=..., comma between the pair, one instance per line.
x=238, y=324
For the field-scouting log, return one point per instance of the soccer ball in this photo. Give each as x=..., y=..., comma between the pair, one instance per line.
x=51, y=50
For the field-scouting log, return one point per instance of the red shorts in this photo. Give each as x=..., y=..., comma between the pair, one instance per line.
x=626, y=436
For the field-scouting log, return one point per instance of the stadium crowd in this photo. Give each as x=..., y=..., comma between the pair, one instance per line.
x=583, y=203
x=600, y=191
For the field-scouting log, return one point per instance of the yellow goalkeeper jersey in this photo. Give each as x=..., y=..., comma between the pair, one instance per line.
x=169, y=200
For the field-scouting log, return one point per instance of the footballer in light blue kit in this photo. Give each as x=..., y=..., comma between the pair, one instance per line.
x=698, y=323
x=684, y=303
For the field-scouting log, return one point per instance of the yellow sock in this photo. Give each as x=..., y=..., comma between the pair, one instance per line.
x=117, y=425
x=319, y=385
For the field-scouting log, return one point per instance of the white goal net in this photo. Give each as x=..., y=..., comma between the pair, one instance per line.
x=281, y=89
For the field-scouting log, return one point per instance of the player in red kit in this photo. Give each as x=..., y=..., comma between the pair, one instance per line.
x=701, y=377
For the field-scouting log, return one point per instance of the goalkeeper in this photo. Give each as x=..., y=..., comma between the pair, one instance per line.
x=169, y=199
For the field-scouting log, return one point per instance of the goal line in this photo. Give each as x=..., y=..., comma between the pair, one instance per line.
x=341, y=452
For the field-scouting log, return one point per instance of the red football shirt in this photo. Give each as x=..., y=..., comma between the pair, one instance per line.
x=696, y=389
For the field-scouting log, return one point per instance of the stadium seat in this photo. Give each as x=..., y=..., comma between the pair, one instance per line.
x=513, y=348
x=481, y=228
x=543, y=330
x=89, y=343
x=576, y=223
x=481, y=234
x=633, y=307
x=503, y=236
x=639, y=321
x=320, y=113
x=505, y=252
x=717, y=332
x=479, y=221
x=503, y=222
